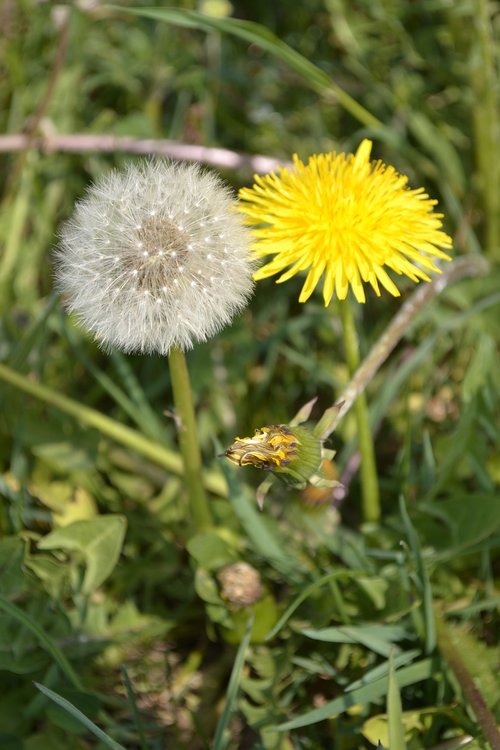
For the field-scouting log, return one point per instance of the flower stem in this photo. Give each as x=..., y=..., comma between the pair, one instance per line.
x=470, y=689
x=188, y=440
x=484, y=85
x=369, y=479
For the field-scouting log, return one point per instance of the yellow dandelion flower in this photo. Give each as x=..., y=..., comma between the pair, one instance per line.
x=346, y=218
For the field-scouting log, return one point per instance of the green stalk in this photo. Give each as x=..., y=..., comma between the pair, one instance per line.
x=484, y=82
x=188, y=439
x=109, y=427
x=369, y=479
x=470, y=689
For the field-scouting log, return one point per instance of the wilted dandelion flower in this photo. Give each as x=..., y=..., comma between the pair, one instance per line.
x=346, y=218
x=155, y=257
x=294, y=453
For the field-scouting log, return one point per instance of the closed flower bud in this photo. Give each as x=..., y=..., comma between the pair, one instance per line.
x=155, y=257
x=240, y=584
x=294, y=453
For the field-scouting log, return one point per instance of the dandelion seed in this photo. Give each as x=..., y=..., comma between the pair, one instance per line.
x=346, y=219
x=124, y=247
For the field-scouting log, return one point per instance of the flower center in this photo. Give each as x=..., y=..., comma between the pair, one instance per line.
x=270, y=448
x=157, y=254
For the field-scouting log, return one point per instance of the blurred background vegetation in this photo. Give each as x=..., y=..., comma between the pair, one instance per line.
x=106, y=597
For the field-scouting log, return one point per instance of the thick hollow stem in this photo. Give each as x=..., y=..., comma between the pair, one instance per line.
x=369, y=479
x=188, y=440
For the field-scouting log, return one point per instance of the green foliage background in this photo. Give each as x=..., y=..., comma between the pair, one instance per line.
x=106, y=597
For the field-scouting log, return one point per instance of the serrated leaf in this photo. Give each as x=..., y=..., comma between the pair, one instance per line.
x=99, y=542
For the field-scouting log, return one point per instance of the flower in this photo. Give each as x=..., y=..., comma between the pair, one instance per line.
x=240, y=584
x=294, y=453
x=155, y=257
x=345, y=217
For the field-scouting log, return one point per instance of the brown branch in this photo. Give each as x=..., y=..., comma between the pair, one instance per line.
x=471, y=265
x=83, y=143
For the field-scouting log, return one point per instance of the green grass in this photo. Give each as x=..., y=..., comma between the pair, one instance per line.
x=108, y=603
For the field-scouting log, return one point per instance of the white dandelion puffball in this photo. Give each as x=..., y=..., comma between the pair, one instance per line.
x=155, y=257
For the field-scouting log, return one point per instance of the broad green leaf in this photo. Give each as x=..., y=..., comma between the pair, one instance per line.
x=210, y=550
x=98, y=541
x=206, y=587
x=265, y=614
x=415, y=723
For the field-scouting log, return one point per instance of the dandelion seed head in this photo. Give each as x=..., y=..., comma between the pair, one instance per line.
x=346, y=219
x=129, y=258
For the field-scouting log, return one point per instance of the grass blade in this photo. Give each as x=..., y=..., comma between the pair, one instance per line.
x=77, y=714
x=394, y=710
x=425, y=584
x=305, y=593
x=255, y=33
x=232, y=690
x=422, y=670
x=135, y=710
x=375, y=638
x=259, y=528
x=109, y=427
x=382, y=669
x=45, y=641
